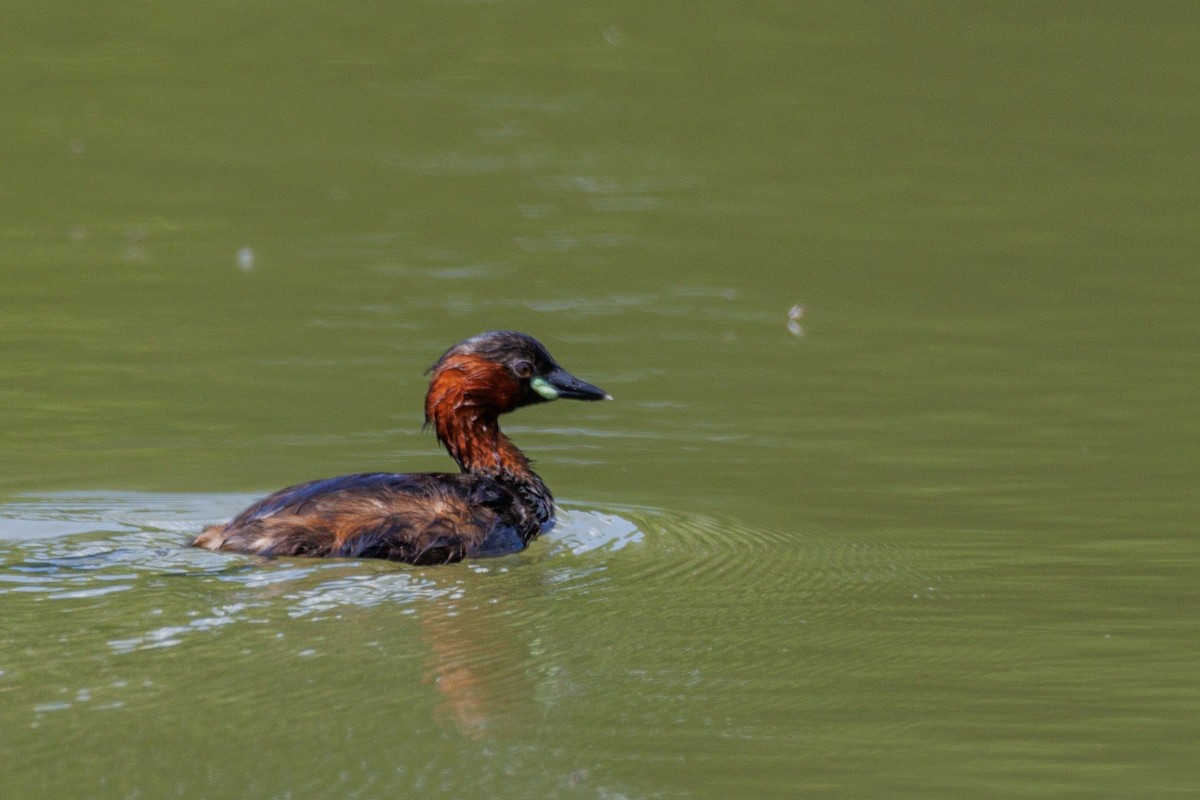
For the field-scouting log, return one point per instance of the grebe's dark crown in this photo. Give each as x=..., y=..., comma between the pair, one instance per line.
x=502, y=347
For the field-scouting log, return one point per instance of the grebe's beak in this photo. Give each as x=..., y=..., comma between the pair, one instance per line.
x=558, y=383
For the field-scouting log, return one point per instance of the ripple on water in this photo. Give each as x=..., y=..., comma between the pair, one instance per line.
x=682, y=605
x=739, y=603
x=694, y=547
x=99, y=547
x=77, y=545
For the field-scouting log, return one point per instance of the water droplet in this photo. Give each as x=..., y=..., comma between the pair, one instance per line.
x=245, y=259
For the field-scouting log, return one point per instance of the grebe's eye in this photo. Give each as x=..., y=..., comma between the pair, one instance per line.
x=522, y=369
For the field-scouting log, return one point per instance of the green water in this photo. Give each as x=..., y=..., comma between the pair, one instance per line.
x=934, y=538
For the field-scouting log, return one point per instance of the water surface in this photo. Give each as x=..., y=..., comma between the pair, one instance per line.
x=898, y=495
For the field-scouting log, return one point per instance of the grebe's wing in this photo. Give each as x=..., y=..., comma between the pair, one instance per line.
x=306, y=496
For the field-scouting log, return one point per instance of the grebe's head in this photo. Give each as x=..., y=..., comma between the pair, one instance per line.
x=499, y=371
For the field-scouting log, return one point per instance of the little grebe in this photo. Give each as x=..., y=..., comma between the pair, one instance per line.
x=496, y=505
